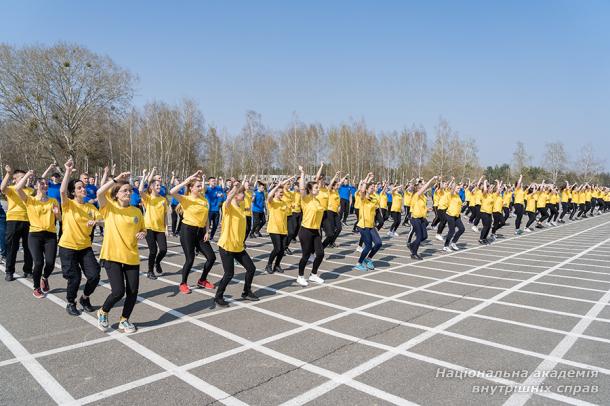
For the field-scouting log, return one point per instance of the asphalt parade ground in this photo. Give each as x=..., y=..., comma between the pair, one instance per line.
x=523, y=321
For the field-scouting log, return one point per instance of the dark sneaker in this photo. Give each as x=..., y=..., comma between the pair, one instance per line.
x=151, y=275
x=9, y=277
x=72, y=310
x=269, y=270
x=250, y=296
x=221, y=302
x=288, y=251
x=158, y=269
x=86, y=305
x=278, y=269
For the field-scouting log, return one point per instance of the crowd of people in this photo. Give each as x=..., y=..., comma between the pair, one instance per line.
x=57, y=213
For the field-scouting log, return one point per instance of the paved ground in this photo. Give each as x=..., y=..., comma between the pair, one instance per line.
x=474, y=327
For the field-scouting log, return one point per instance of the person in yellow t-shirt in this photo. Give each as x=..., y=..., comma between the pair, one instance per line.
x=541, y=205
x=441, y=209
x=123, y=227
x=381, y=196
x=194, y=235
x=419, y=211
x=155, y=218
x=43, y=213
x=17, y=224
x=331, y=223
x=497, y=211
x=565, y=201
x=75, y=252
x=294, y=221
x=454, y=220
x=407, y=203
x=366, y=224
x=531, y=198
x=519, y=204
x=396, y=209
x=487, y=203
x=277, y=226
x=247, y=205
x=309, y=234
x=552, y=205
x=231, y=246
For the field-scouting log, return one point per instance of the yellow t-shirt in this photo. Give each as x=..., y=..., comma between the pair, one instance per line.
x=248, y=203
x=195, y=210
x=16, y=209
x=366, y=215
x=542, y=200
x=357, y=201
x=554, y=198
x=76, y=234
x=323, y=197
x=121, y=224
x=155, y=212
x=519, y=196
x=565, y=196
x=588, y=195
x=408, y=197
x=438, y=193
x=443, y=200
x=531, y=202
x=498, y=203
x=313, y=211
x=454, y=209
x=487, y=202
x=288, y=198
x=233, y=228
x=41, y=214
x=396, y=202
x=296, y=202
x=478, y=196
x=506, y=199
x=419, y=205
x=382, y=199
x=278, y=220
x=333, y=201
x=468, y=195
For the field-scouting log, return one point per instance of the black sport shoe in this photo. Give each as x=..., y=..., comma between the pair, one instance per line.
x=278, y=269
x=9, y=277
x=269, y=270
x=416, y=256
x=151, y=275
x=27, y=275
x=72, y=310
x=249, y=296
x=288, y=251
x=221, y=302
x=86, y=305
x=158, y=269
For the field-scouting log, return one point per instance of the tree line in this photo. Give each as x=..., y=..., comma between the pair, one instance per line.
x=65, y=100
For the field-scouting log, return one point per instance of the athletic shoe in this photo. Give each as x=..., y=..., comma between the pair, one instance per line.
x=126, y=327
x=528, y=230
x=158, y=269
x=475, y=229
x=454, y=247
x=390, y=234
x=44, y=284
x=416, y=256
x=203, y=283
x=333, y=245
x=288, y=251
x=184, y=288
x=27, y=275
x=38, y=293
x=539, y=226
x=86, y=304
x=316, y=279
x=440, y=237
x=447, y=249
x=102, y=318
x=369, y=264
x=250, y=296
x=151, y=275
x=361, y=268
x=359, y=249
x=493, y=237
x=269, y=270
x=221, y=302
x=72, y=310
x=9, y=277
x=483, y=242
x=301, y=281
x=278, y=269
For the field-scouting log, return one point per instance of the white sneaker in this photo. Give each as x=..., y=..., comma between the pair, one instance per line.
x=359, y=249
x=454, y=247
x=475, y=229
x=493, y=237
x=528, y=230
x=439, y=237
x=447, y=249
x=390, y=234
x=395, y=234
x=301, y=281
x=316, y=279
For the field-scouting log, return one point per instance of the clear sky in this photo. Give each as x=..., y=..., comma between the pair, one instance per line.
x=536, y=71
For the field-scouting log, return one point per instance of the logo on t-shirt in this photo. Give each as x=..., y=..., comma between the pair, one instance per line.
x=136, y=220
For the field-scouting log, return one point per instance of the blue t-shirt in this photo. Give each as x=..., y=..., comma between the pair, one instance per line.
x=344, y=191
x=163, y=191
x=135, y=197
x=462, y=194
x=215, y=196
x=175, y=202
x=258, y=202
x=53, y=191
x=91, y=193
x=389, y=197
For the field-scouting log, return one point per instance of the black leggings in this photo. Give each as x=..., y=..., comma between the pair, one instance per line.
x=311, y=242
x=519, y=213
x=565, y=208
x=395, y=220
x=418, y=227
x=407, y=216
x=381, y=217
x=157, y=248
x=124, y=279
x=453, y=223
x=213, y=218
x=259, y=222
x=73, y=264
x=228, y=264
x=43, y=246
x=475, y=216
x=248, y=227
x=17, y=231
x=554, y=210
x=176, y=221
x=279, y=245
x=191, y=238
x=486, y=220
x=498, y=222
x=506, y=211
x=294, y=223
x=531, y=218
x=356, y=222
x=344, y=210
x=442, y=220
x=332, y=227
x=544, y=214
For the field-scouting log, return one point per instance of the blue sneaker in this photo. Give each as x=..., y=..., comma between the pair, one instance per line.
x=360, y=267
x=369, y=264
x=102, y=319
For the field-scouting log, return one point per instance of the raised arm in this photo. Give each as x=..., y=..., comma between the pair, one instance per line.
x=21, y=184
x=275, y=188
x=425, y=187
x=174, y=190
x=335, y=177
x=319, y=173
x=105, y=176
x=8, y=172
x=143, y=181
x=48, y=170
x=302, y=182
x=101, y=192
x=63, y=189
x=520, y=181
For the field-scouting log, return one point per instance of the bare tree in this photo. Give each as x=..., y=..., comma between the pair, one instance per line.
x=555, y=159
x=521, y=158
x=587, y=164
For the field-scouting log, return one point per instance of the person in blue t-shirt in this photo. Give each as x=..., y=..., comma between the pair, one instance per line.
x=352, y=195
x=136, y=200
x=345, y=197
x=91, y=189
x=258, y=210
x=215, y=195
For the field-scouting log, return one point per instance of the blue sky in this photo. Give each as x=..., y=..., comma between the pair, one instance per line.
x=498, y=71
